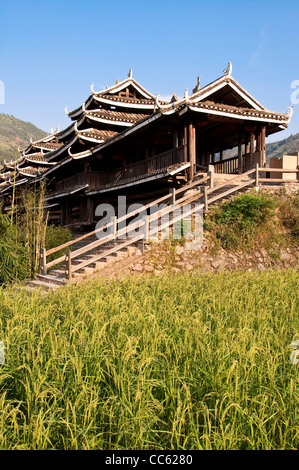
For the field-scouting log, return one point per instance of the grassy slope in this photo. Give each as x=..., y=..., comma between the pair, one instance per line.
x=179, y=362
x=15, y=133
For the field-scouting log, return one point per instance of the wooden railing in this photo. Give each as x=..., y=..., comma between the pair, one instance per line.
x=93, y=179
x=231, y=165
x=168, y=199
x=150, y=165
x=228, y=166
x=172, y=203
x=280, y=171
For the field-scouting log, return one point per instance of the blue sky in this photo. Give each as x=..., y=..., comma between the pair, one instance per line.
x=51, y=52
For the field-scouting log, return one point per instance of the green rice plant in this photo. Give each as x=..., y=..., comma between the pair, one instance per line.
x=184, y=361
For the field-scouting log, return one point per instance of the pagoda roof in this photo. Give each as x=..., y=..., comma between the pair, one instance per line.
x=114, y=117
x=31, y=171
x=237, y=112
x=127, y=102
x=129, y=81
x=228, y=91
x=109, y=95
x=48, y=145
x=95, y=135
x=38, y=158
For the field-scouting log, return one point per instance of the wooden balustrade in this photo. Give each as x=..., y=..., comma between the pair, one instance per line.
x=148, y=166
x=227, y=166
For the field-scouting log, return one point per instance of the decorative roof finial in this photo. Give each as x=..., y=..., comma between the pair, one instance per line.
x=228, y=70
x=52, y=130
x=92, y=88
x=130, y=74
x=117, y=81
x=66, y=111
x=197, y=85
x=186, y=95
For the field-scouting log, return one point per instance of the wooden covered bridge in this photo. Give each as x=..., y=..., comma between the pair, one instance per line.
x=124, y=140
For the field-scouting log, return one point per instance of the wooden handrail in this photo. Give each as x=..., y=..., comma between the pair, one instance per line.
x=185, y=199
x=125, y=217
x=278, y=170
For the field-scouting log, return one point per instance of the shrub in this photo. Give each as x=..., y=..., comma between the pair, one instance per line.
x=288, y=212
x=246, y=210
x=56, y=236
x=13, y=256
x=235, y=224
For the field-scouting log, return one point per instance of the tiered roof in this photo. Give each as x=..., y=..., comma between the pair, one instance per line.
x=111, y=114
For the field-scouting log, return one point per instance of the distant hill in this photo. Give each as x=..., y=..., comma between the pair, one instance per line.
x=276, y=149
x=15, y=133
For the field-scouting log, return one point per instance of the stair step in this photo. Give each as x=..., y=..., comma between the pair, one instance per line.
x=45, y=285
x=57, y=272
x=52, y=279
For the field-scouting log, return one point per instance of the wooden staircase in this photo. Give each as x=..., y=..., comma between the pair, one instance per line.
x=107, y=254
x=95, y=250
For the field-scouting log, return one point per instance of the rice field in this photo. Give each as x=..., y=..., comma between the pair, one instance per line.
x=182, y=362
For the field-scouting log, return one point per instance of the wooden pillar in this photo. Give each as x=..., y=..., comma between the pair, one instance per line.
x=69, y=265
x=185, y=142
x=175, y=139
x=247, y=150
x=192, y=150
x=89, y=210
x=252, y=149
x=263, y=146
x=240, y=156
x=258, y=146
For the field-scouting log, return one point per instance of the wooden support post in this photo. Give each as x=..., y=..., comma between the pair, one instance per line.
x=240, y=164
x=263, y=146
x=252, y=139
x=175, y=139
x=211, y=175
x=69, y=265
x=89, y=210
x=192, y=149
x=257, y=175
x=43, y=261
x=185, y=143
x=172, y=197
x=205, y=197
x=246, y=158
